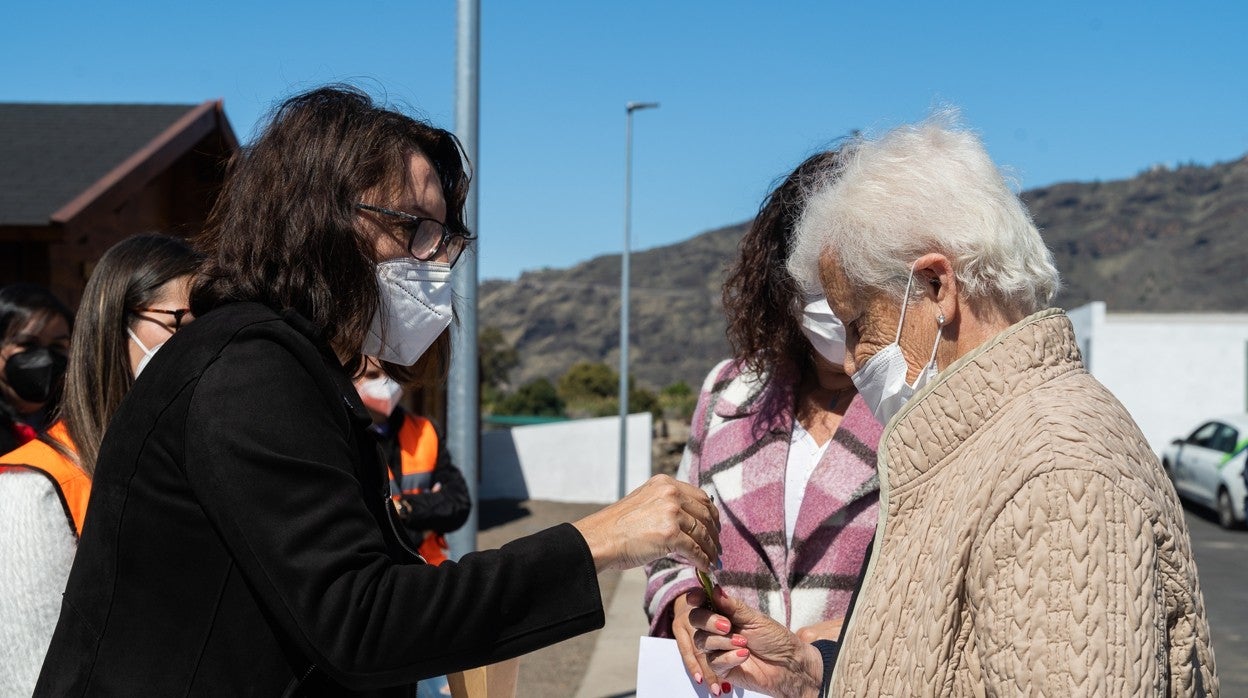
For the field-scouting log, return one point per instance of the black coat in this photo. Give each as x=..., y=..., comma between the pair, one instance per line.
x=239, y=541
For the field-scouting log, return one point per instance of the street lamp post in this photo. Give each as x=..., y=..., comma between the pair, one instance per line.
x=463, y=414
x=624, y=282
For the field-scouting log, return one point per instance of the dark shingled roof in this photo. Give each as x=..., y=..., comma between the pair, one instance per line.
x=50, y=153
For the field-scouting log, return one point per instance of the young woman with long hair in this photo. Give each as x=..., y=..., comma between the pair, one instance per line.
x=782, y=436
x=136, y=294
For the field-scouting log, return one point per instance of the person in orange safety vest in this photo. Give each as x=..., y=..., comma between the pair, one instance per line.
x=71, y=484
x=135, y=300
x=429, y=493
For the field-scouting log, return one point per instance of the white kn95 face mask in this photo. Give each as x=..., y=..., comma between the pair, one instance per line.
x=415, y=307
x=881, y=380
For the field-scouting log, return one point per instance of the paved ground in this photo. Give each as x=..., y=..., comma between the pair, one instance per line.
x=1222, y=561
x=603, y=664
x=557, y=671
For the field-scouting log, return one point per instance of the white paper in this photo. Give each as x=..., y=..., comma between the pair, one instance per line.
x=661, y=673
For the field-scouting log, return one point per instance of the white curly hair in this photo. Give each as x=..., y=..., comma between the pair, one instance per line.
x=927, y=187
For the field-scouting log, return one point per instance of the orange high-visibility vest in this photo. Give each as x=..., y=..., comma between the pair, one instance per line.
x=418, y=455
x=72, y=484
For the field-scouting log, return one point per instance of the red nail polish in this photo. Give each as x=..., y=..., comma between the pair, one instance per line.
x=722, y=625
x=727, y=687
x=738, y=640
x=743, y=653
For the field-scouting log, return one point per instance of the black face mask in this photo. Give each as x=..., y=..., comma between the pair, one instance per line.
x=34, y=374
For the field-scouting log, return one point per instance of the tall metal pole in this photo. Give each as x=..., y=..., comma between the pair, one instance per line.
x=463, y=408
x=624, y=285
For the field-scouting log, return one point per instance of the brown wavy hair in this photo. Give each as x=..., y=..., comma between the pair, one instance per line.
x=283, y=231
x=759, y=296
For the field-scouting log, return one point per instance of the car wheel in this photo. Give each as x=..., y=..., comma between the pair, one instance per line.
x=1226, y=512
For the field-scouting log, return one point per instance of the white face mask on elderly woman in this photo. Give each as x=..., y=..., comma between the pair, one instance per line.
x=881, y=381
x=824, y=330
x=415, y=307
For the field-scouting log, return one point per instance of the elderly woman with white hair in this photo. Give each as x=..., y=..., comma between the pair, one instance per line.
x=1029, y=542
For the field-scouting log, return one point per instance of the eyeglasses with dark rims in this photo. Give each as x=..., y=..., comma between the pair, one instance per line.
x=177, y=313
x=426, y=237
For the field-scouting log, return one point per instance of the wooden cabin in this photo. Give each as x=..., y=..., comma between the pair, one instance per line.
x=77, y=178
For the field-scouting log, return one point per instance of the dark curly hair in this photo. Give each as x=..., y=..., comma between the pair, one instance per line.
x=283, y=231
x=759, y=295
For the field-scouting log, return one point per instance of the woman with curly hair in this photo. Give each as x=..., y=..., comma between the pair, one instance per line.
x=782, y=440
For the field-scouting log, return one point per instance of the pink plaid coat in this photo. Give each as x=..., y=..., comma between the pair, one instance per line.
x=737, y=451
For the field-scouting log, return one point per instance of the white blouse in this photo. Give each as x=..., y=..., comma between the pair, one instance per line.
x=804, y=455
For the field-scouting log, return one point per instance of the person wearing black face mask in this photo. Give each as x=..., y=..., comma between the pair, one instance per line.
x=137, y=289
x=34, y=341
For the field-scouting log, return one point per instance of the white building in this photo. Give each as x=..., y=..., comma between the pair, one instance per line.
x=1171, y=370
x=573, y=461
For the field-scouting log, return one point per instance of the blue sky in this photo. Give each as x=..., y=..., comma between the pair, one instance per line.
x=1060, y=90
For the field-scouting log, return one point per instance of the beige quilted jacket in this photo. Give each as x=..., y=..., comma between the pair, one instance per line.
x=1029, y=544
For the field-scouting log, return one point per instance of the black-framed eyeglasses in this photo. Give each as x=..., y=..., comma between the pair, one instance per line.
x=426, y=237
x=177, y=313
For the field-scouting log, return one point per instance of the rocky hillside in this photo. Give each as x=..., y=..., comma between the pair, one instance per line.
x=556, y=317
x=1167, y=240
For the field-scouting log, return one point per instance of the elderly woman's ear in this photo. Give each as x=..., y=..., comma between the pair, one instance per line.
x=941, y=285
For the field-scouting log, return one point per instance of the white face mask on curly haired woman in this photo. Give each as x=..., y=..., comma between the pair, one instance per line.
x=824, y=331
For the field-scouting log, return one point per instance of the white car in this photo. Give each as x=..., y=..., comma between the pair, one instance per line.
x=1207, y=467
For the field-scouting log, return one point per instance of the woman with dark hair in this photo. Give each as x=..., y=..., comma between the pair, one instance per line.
x=782, y=439
x=34, y=341
x=136, y=295
x=243, y=538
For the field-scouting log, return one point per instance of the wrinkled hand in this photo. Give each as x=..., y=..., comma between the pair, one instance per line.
x=773, y=661
x=662, y=517
x=825, y=630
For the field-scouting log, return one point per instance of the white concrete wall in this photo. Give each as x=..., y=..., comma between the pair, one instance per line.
x=1088, y=321
x=1171, y=371
x=576, y=461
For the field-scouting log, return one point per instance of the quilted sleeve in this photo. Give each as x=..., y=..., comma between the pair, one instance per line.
x=1065, y=593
